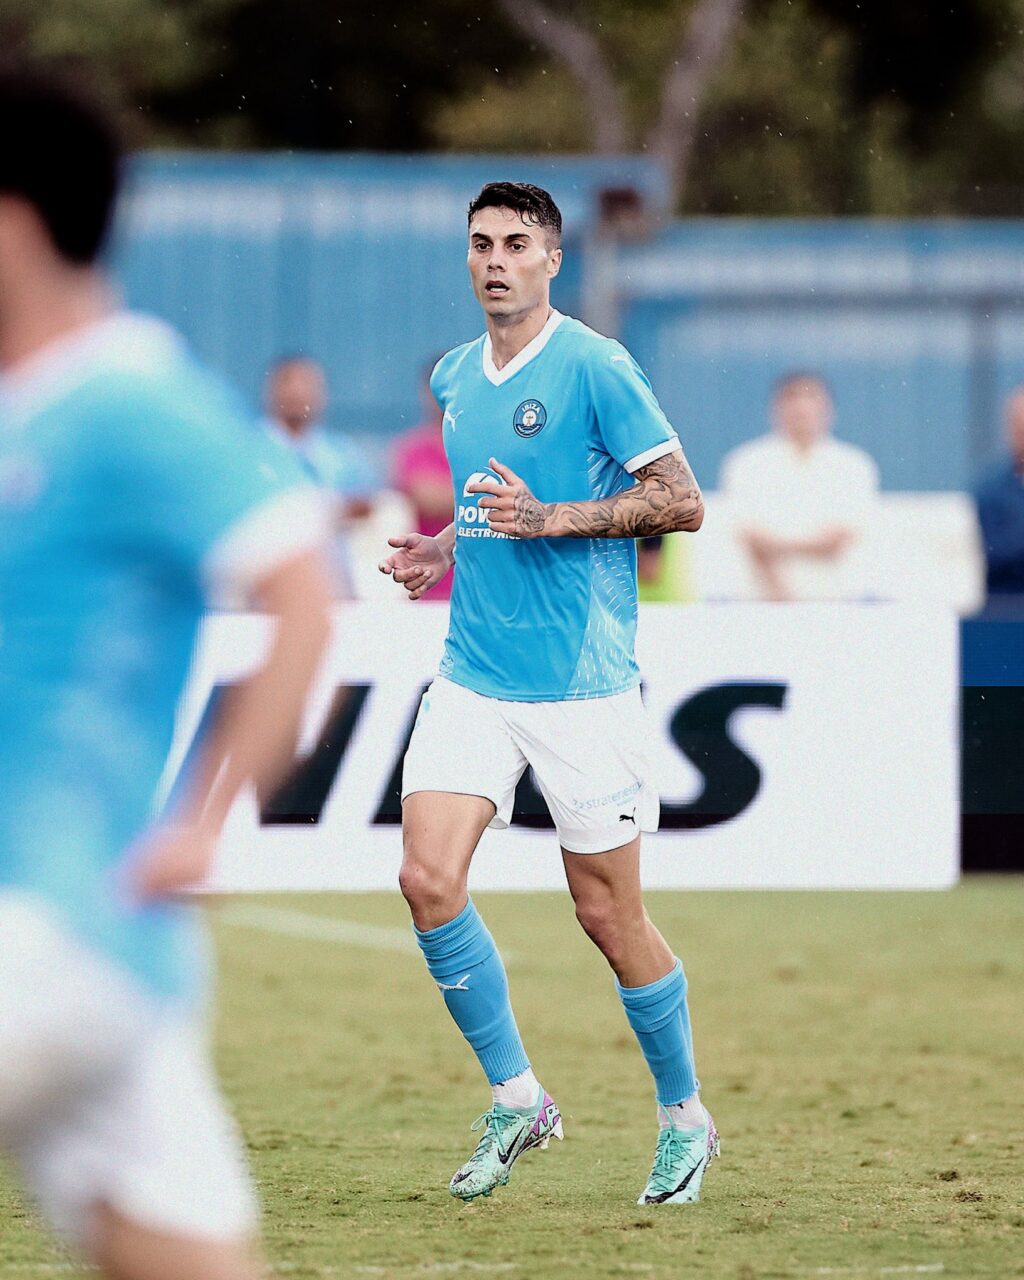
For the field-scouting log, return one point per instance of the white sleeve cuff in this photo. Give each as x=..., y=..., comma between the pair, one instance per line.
x=263, y=539
x=653, y=454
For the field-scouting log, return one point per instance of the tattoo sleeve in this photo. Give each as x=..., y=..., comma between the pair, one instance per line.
x=664, y=499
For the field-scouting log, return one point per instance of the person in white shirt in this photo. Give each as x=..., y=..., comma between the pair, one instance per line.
x=800, y=500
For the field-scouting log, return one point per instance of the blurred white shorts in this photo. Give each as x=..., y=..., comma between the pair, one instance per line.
x=104, y=1096
x=589, y=758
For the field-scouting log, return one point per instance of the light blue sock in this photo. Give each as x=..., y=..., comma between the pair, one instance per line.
x=465, y=964
x=661, y=1022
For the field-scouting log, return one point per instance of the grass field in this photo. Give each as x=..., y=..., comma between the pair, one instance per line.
x=863, y=1055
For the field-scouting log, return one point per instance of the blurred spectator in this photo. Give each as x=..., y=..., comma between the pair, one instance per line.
x=296, y=397
x=420, y=470
x=801, y=500
x=1000, y=502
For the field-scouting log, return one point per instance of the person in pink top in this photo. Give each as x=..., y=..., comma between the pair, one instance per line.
x=419, y=469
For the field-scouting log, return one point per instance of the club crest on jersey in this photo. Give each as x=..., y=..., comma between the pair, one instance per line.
x=529, y=418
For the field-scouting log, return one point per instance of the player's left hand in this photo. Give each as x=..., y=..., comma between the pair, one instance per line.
x=168, y=860
x=513, y=508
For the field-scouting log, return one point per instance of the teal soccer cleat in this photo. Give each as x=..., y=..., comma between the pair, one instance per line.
x=508, y=1132
x=680, y=1161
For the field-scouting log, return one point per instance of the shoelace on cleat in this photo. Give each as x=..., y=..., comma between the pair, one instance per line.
x=671, y=1145
x=495, y=1125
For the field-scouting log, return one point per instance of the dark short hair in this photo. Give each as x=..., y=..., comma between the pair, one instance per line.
x=533, y=204
x=782, y=385
x=61, y=153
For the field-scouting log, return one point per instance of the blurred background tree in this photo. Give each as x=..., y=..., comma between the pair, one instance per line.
x=808, y=107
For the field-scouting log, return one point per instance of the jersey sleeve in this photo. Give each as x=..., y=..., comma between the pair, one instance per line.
x=439, y=380
x=631, y=425
x=213, y=495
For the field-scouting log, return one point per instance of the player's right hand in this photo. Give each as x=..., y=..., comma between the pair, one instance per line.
x=166, y=861
x=418, y=563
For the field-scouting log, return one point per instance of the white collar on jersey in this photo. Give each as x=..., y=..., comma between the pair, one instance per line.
x=533, y=348
x=122, y=340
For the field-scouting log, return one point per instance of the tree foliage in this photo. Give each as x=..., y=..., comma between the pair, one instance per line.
x=802, y=107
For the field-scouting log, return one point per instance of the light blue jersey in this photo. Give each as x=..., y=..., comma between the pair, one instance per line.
x=545, y=619
x=129, y=479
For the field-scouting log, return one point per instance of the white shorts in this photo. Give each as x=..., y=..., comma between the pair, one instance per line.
x=588, y=756
x=104, y=1096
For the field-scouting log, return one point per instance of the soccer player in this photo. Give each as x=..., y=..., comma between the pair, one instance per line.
x=560, y=457
x=130, y=482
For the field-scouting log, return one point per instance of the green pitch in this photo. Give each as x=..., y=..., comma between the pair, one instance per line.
x=863, y=1055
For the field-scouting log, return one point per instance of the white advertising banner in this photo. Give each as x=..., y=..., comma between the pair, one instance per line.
x=801, y=746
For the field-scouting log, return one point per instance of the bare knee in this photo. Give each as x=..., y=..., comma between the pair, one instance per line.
x=603, y=925
x=435, y=893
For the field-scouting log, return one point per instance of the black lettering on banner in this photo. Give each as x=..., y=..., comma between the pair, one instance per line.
x=389, y=811
x=731, y=779
x=302, y=795
x=529, y=808
x=700, y=727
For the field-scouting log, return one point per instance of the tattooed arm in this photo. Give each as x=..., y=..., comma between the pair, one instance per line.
x=664, y=499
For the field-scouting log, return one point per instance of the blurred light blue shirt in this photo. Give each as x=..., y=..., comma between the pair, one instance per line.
x=131, y=482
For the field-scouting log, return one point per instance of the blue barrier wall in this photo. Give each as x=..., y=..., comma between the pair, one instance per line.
x=356, y=260
x=918, y=327
x=360, y=261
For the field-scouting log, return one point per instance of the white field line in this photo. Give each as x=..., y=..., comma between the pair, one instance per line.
x=314, y=928
x=908, y=1269
x=438, y=1268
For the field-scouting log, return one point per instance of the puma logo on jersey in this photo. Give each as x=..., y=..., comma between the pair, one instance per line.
x=452, y=417
x=458, y=986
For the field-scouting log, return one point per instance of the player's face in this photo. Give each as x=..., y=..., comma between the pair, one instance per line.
x=803, y=412
x=511, y=264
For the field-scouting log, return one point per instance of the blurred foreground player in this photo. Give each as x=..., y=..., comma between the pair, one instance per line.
x=549, y=422
x=129, y=483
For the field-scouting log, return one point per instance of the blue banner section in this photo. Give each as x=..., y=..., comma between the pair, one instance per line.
x=992, y=654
